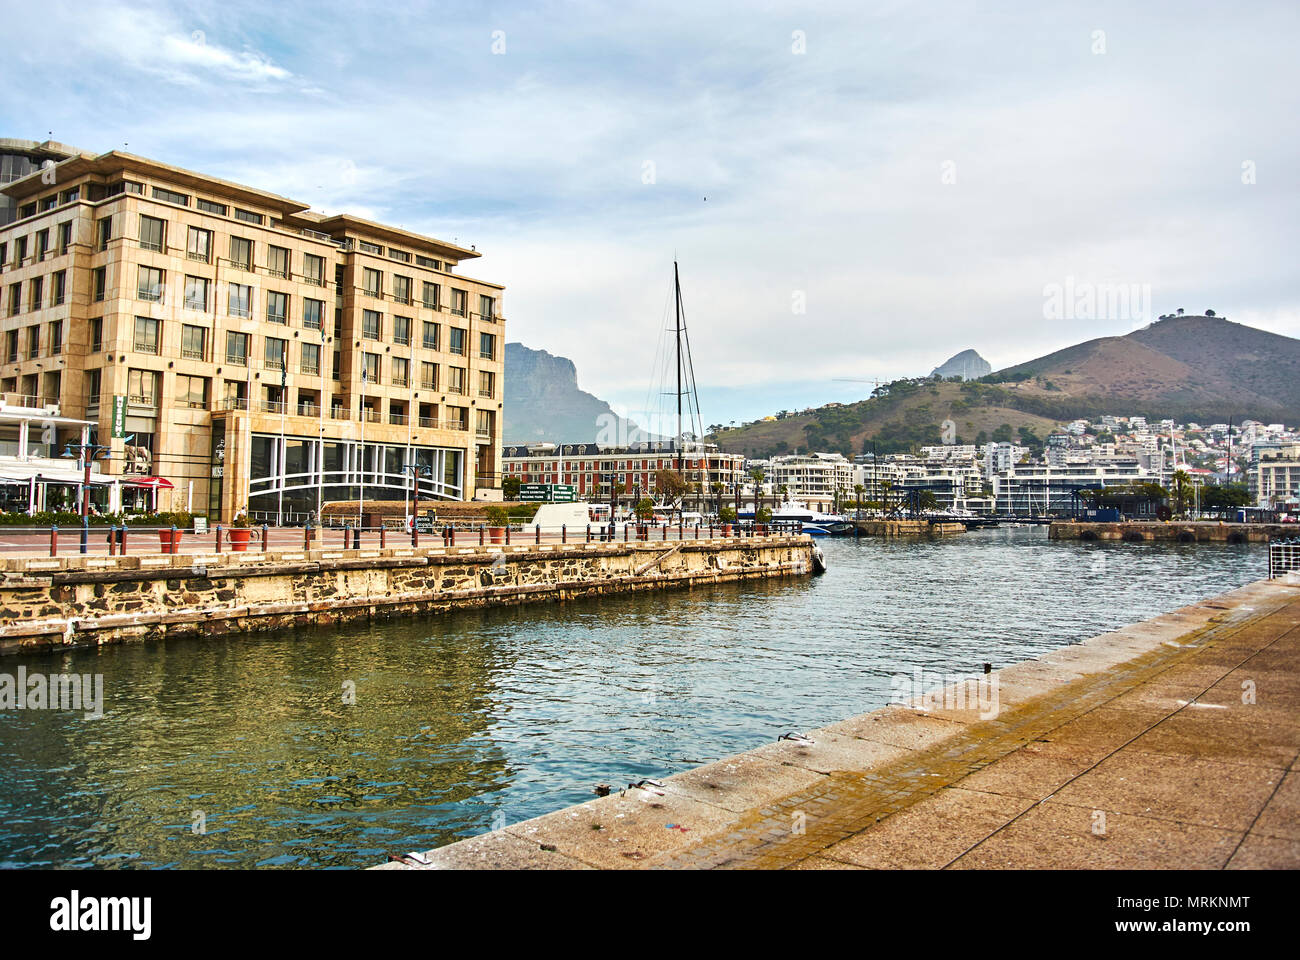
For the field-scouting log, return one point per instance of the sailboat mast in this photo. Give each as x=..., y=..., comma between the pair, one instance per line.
x=677, y=295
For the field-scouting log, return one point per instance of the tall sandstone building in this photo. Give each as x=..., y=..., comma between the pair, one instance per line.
x=245, y=351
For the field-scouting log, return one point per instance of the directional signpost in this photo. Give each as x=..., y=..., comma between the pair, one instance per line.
x=548, y=492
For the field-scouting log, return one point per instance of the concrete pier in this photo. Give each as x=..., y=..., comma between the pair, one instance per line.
x=1171, y=743
x=1137, y=531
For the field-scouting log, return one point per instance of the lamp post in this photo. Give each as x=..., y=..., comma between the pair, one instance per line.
x=86, y=452
x=416, y=470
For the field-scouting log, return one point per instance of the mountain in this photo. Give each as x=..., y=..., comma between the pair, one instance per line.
x=1201, y=368
x=1186, y=367
x=968, y=365
x=543, y=403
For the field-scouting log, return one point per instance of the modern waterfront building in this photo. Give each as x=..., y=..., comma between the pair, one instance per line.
x=1275, y=474
x=816, y=479
x=1034, y=489
x=235, y=349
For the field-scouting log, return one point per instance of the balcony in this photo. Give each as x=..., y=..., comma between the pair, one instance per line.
x=400, y=340
x=146, y=346
x=397, y=418
x=400, y=381
x=430, y=344
x=198, y=257
x=238, y=359
x=309, y=409
x=272, y=363
x=428, y=384
x=195, y=353
x=309, y=369
x=371, y=415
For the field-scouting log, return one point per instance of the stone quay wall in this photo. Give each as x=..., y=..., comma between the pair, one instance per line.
x=87, y=601
x=907, y=528
x=1191, y=532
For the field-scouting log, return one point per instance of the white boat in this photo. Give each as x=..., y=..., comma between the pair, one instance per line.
x=814, y=522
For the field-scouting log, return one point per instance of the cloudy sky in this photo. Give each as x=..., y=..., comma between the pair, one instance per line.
x=886, y=183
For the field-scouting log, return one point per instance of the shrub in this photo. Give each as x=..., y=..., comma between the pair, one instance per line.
x=497, y=516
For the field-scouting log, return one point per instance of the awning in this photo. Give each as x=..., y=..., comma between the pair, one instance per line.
x=157, y=483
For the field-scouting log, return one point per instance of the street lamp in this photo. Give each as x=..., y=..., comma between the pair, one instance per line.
x=86, y=452
x=416, y=470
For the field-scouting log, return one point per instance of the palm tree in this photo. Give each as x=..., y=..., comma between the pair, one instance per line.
x=756, y=474
x=857, y=491
x=1182, y=485
x=718, y=489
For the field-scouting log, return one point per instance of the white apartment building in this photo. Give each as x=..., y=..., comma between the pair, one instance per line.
x=1038, y=488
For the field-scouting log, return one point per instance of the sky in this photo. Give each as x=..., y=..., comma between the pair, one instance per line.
x=854, y=191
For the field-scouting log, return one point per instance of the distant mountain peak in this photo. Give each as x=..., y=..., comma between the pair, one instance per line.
x=968, y=365
x=543, y=402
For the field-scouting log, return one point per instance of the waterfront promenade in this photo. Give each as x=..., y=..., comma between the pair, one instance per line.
x=1171, y=743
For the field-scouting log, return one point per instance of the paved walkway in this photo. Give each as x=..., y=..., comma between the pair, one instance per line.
x=1169, y=744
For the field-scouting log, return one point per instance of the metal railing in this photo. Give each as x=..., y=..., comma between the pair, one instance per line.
x=1283, y=557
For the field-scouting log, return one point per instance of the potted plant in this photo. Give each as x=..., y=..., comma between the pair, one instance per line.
x=728, y=516
x=239, y=532
x=497, y=518
x=762, y=518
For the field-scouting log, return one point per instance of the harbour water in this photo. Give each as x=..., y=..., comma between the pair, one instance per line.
x=243, y=752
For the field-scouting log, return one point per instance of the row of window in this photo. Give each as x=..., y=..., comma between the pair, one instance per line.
x=44, y=246
x=32, y=342
x=38, y=292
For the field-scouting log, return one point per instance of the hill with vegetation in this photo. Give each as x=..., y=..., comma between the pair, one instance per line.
x=1201, y=368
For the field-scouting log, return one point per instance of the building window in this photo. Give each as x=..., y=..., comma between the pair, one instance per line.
x=277, y=307
x=370, y=368
x=486, y=308
x=207, y=206
x=273, y=353
x=65, y=237
x=96, y=334
x=42, y=244
x=401, y=371
x=456, y=341
x=277, y=262
x=428, y=376
x=56, y=338
x=20, y=251
x=430, y=295
x=311, y=359
x=459, y=299
x=152, y=232
x=401, y=255
x=60, y=290
x=370, y=324
x=100, y=278
x=427, y=262
x=313, y=312
x=487, y=346
x=373, y=282
x=241, y=253
x=198, y=245
x=192, y=392
x=455, y=379
x=402, y=330
x=37, y=288
x=336, y=366
x=94, y=383
x=486, y=382
x=16, y=299
x=142, y=388
x=430, y=336
x=237, y=348
x=150, y=285
x=105, y=233
x=146, y=335
x=196, y=293
x=313, y=269
x=170, y=196
x=33, y=344
x=484, y=425
x=248, y=216
x=194, y=342
x=367, y=247
x=241, y=300
x=402, y=289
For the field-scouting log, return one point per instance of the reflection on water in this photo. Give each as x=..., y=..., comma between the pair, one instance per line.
x=481, y=718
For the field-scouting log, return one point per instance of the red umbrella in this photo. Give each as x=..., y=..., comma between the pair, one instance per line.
x=158, y=483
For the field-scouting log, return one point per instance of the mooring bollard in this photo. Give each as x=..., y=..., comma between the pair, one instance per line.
x=122, y=543
x=54, y=540
x=453, y=535
x=415, y=533
x=264, y=537
x=480, y=534
x=537, y=533
x=507, y=534
x=112, y=540
x=564, y=533
x=306, y=537
x=589, y=533
x=172, y=543
x=383, y=537
x=218, y=531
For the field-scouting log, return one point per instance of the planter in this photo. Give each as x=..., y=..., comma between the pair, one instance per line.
x=726, y=529
x=170, y=541
x=642, y=531
x=496, y=534
x=239, y=537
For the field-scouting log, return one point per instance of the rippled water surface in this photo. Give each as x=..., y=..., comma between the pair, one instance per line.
x=494, y=716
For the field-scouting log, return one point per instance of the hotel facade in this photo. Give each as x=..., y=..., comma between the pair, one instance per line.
x=234, y=350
